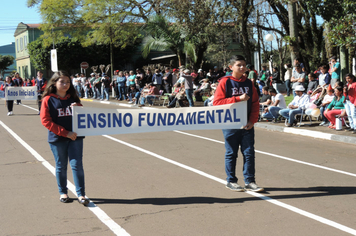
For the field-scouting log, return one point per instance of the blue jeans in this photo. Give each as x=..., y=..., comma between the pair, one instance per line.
x=78, y=88
x=351, y=113
x=322, y=109
x=189, y=93
x=287, y=83
x=290, y=113
x=267, y=115
x=72, y=150
x=274, y=111
x=105, y=93
x=234, y=138
x=122, y=93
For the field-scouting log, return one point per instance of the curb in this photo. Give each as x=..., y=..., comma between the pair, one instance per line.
x=309, y=133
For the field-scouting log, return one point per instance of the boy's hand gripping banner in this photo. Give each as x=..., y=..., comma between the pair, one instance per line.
x=89, y=121
x=21, y=93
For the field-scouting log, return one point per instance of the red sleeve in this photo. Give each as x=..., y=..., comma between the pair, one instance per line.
x=44, y=86
x=47, y=122
x=255, y=106
x=2, y=87
x=220, y=95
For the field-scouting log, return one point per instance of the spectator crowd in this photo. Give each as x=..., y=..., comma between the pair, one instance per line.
x=320, y=94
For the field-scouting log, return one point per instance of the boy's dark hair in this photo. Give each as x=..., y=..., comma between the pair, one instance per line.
x=289, y=65
x=333, y=57
x=51, y=86
x=265, y=88
x=235, y=58
x=272, y=90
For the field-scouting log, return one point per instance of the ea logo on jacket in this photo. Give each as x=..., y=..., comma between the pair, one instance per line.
x=239, y=91
x=66, y=112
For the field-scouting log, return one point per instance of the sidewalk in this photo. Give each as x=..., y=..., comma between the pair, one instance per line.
x=306, y=129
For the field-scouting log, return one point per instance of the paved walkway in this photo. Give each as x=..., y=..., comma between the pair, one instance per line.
x=306, y=129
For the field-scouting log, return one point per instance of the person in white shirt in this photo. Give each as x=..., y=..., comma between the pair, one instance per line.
x=278, y=103
x=296, y=106
x=287, y=77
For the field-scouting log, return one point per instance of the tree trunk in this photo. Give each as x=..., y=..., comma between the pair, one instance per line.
x=343, y=62
x=293, y=30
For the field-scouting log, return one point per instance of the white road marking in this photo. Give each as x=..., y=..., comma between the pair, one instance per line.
x=270, y=200
x=274, y=155
x=29, y=107
x=102, y=216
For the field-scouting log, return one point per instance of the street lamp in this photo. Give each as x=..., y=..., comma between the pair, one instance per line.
x=269, y=38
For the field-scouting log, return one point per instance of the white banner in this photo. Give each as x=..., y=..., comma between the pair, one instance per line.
x=89, y=121
x=21, y=93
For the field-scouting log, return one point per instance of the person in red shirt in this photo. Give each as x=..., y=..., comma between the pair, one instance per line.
x=231, y=89
x=350, y=104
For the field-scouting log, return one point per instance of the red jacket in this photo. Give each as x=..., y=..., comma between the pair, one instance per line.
x=229, y=91
x=352, y=92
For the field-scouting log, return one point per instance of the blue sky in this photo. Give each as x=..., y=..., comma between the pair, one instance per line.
x=12, y=13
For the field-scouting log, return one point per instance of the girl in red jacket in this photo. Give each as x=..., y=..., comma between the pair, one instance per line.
x=56, y=115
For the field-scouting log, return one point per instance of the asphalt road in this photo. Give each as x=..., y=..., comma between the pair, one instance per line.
x=172, y=183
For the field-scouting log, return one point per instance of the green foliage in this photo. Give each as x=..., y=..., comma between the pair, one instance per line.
x=70, y=53
x=162, y=35
x=5, y=62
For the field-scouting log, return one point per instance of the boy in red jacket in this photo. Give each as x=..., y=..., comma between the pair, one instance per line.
x=235, y=88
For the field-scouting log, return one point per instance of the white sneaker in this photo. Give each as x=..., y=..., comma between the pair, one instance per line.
x=130, y=102
x=234, y=187
x=9, y=113
x=322, y=123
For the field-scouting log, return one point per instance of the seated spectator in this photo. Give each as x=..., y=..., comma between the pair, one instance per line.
x=266, y=98
x=336, y=107
x=209, y=101
x=179, y=96
x=324, y=105
x=151, y=94
x=278, y=103
x=134, y=94
x=204, y=87
x=324, y=76
x=296, y=106
x=174, y=93
x=313, y=84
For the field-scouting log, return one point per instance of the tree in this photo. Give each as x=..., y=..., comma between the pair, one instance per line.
x=163, y=35
x=71, y=53
x=199, y=20
x=5, y=62
x=91, y=22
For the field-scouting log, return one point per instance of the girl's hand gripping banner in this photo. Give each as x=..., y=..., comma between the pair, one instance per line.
x=89, y=121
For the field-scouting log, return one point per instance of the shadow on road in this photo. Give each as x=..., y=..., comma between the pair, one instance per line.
x=306, y=193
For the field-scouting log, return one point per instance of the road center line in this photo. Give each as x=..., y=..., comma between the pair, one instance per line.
x=275, y=155
x=102, y=216
x=263, y=197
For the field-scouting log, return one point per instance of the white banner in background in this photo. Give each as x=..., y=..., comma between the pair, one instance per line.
x=21, y=93
x=89, y=121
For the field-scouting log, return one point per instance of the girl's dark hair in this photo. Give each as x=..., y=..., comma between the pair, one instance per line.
x=351, y=76
x=51, y=86
x=340, y=88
